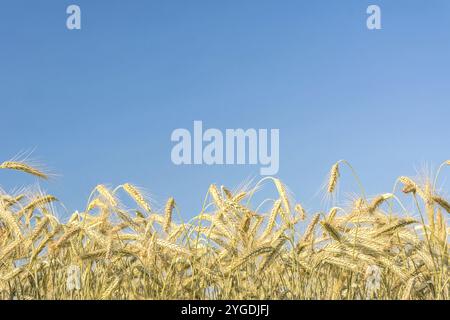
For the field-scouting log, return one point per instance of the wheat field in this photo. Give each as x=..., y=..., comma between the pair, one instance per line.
x=373, y=248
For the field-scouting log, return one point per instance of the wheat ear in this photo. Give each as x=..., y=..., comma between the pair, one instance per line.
x=168, y=210
x=20, y=166
x=137, y=196
x=333, y=178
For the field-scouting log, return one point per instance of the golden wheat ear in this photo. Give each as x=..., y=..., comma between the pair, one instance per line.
x=281, y=188
x=226, y=192
x=333, y=178
x=168, y=210
x=21, y=166
x=442, y=202
x=300, y=211
x=137, y=196
x=107, y=194
x=217, y=199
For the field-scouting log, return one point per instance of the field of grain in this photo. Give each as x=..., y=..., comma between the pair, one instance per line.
x=233, y=249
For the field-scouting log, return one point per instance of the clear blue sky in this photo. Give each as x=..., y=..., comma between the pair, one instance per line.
x=99, y=104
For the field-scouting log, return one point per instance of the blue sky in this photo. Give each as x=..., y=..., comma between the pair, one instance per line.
x=98, y=105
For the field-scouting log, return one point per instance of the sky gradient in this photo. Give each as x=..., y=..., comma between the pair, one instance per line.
x=98, y=105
